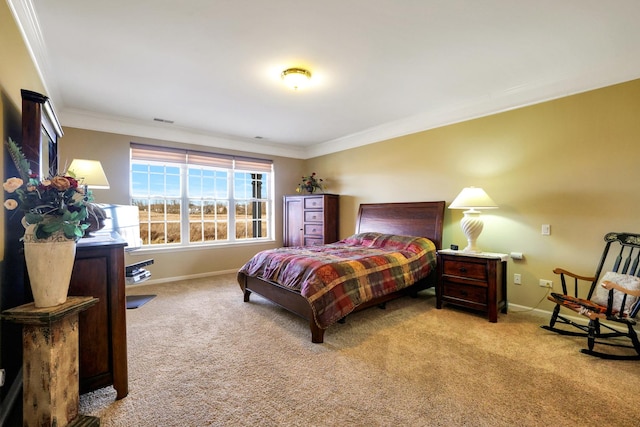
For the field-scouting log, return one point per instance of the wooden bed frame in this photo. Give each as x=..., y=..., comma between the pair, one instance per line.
x=423, y=219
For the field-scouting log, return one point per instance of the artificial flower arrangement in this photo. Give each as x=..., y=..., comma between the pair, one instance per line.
x=310, y=184
x=55, y=204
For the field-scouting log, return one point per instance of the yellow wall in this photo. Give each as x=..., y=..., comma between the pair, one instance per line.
x=113, y=152
x=571, y=163
x=16, y=72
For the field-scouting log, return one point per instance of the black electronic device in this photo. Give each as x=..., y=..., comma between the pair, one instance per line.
x=135, y=273
x=132, y=268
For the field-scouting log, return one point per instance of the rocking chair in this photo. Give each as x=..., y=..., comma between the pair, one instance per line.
x=610, y=303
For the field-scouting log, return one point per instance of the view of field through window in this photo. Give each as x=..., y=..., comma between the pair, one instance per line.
x=158, y=193
x=207, y=223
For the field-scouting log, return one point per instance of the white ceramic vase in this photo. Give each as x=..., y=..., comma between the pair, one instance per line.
x=49, y=265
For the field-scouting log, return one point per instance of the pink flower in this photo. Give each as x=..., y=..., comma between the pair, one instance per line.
x=12, y=184
x=10, y=204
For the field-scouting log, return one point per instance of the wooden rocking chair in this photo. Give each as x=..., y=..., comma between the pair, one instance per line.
x=611, y=302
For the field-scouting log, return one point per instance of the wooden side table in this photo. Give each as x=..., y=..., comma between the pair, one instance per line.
x=50, y=363
x=474, y=280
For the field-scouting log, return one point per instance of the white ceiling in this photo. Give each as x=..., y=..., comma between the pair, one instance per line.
x=381, y=68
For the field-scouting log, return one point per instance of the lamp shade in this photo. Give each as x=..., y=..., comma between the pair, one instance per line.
x=89, y=173
x=473, y=198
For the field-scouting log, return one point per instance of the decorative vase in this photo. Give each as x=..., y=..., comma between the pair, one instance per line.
x=49, y=265
x=310, y=189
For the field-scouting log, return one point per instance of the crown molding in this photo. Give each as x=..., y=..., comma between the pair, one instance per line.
x=169, y=132
x=25, y=16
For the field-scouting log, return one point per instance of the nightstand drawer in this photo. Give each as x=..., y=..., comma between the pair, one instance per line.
x=470, y=270
x=474, y=294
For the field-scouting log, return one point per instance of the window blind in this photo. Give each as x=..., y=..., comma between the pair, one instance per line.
x=200, y=158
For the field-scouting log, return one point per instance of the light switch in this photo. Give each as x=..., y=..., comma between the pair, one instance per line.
x=546, y=229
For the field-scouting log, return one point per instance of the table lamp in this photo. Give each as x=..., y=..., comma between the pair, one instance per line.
x=472, y=198
x=89, y=173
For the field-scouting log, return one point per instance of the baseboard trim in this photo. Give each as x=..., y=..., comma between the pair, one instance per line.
x=185, y=277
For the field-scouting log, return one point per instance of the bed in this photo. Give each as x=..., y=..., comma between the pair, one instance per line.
x=401, y=227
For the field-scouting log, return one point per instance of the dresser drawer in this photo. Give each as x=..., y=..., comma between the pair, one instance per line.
x=313, y=241
x=476, y=294
x=467, y=269
x=313, y=216
x=313, y=229
x=314, y=202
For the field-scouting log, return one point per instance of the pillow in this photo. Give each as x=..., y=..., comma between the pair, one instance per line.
x=624, y=280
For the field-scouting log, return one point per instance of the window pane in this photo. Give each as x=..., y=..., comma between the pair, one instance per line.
x=195, y=232
x=241, y=186
x=248, y=223
x=173, y=183
x=163, y=221
x=250, y=185
x=194, y=184
x=156, y=184
x=143, y=215
x=140, y=181
x=195, y=210
x=206, y=218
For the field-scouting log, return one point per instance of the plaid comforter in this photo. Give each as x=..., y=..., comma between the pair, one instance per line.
x=338, y=277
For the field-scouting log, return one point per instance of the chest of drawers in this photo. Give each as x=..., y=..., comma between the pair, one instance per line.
x=475, y=281
x=310, y=219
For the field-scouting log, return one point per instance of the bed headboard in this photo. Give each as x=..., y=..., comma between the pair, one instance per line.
x=423, y=219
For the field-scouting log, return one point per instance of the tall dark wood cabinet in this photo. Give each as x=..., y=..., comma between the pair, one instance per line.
x=99, y=272
x=310, y=219
x=37, y=132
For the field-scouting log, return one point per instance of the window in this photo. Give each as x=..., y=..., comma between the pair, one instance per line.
x=190, y=197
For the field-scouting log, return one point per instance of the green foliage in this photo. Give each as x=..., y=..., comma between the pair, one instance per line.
x=310, y=184
x=54, y=205
x=19, y=159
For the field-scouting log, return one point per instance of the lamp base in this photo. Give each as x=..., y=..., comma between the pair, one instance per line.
x=472, y=226
x=471, y=248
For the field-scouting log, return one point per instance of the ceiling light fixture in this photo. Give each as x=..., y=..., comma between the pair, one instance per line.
x=296, y=78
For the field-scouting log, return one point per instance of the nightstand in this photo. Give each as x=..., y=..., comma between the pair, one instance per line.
x=473, y=280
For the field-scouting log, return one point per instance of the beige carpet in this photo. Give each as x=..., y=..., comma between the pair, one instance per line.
x=200, y=356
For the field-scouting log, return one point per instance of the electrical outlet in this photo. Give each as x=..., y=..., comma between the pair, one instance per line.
x=546, y=283
x=517, y=279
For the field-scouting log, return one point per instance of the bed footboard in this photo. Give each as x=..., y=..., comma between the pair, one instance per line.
x=285, y=298
x=297, y=304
